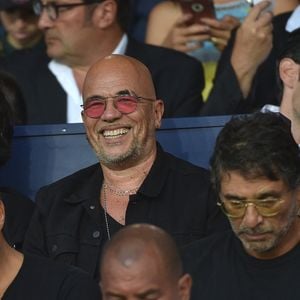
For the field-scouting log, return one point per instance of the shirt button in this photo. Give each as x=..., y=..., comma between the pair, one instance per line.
x=92, y=207
x=96, y=234
x=54, y=248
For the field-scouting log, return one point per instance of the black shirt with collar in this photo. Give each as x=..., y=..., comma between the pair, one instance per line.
x=68, y=223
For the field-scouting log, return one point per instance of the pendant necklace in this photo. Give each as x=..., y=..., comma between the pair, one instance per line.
x=105, y=212
x=117, y=192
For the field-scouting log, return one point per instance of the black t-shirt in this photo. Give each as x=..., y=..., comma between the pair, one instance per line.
x=221, y=269
x=42, y=279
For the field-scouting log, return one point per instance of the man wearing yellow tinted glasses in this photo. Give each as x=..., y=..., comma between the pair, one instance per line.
x=256, y=172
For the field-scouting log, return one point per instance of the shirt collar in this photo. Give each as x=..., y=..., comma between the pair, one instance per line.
x=151, y=187
x=155, y=180
x=294, y=20
x=121, y=47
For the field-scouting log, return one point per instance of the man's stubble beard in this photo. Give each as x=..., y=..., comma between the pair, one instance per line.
x=266, y=246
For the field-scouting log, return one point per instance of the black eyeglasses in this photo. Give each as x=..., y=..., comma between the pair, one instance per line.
x=53, y=9
x=126, y=104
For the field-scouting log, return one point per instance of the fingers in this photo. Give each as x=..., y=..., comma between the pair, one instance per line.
x=257, y=11
x=180, y=37
x=228, y=23
x=182, y=20
x=231, y=21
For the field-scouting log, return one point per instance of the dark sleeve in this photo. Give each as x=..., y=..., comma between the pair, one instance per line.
x=35, y=237
x=79, y=286
x=180, y=87
x=18, y=212
x=226, y=97
x=190, y=87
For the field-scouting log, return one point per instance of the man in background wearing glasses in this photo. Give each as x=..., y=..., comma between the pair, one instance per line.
x=77, y=34
x=135, y=182
x=256, y=172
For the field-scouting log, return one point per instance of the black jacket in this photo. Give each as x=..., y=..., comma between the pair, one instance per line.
x=18, y=212
x=178, y=80
x=68, y=223
x=265, y=89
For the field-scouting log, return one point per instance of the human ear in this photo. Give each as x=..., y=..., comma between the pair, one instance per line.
x=159, y=111
x=105, y=14
x=2, y=215
x=184, y=286
x=289, y=72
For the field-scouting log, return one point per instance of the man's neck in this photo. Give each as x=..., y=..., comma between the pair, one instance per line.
x=100, y=46
x=286, y=108
x=10, y=264
x=296, y=131
x=130, y=176
x=283, y=6
x=80, y=65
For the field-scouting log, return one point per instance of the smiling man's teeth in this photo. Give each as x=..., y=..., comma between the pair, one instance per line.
x=115, y=133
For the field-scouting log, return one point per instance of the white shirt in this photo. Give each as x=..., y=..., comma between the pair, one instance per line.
x=294, y=20
x=65, y=77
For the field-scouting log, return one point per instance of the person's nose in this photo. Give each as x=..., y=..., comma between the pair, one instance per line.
x=110, y=113
x=252, y=217
x=20, y=23
x=44, y=21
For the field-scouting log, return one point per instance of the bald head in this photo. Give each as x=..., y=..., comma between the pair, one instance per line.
x=142, y=262
x=138, y=243
x=120, y=69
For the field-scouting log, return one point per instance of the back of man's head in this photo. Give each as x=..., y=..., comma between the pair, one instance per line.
x=259, y=145
x=142, y=259
x=292, y=47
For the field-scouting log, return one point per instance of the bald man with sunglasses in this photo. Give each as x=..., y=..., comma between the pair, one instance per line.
x=256, y=172
x=136, y=181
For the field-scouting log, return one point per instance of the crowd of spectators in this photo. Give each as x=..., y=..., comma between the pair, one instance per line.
x=71, y=61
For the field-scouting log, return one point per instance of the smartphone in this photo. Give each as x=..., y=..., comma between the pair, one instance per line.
x=269, y=8
x=198, y=8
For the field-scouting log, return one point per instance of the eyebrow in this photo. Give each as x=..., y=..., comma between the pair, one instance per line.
x=125, y=92
x=152, y=292
x=143, y=295
x=259, y=196
x=112, y=294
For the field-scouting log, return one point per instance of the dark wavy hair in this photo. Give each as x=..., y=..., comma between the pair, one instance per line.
x=258, y=145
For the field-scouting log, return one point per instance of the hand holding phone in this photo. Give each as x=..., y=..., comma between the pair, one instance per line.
x=269, y=8
x=198, y=9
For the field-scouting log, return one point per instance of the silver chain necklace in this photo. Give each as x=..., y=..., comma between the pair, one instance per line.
x=105, y=211
x=119, y=192
x=105, y=187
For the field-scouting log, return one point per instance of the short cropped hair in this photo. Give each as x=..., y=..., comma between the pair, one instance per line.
x=258, y=145
x=292, y=47
x=6, y=128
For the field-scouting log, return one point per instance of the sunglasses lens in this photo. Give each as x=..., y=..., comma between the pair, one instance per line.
x=237, y=209
x=95, y=109
x=126, y=104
